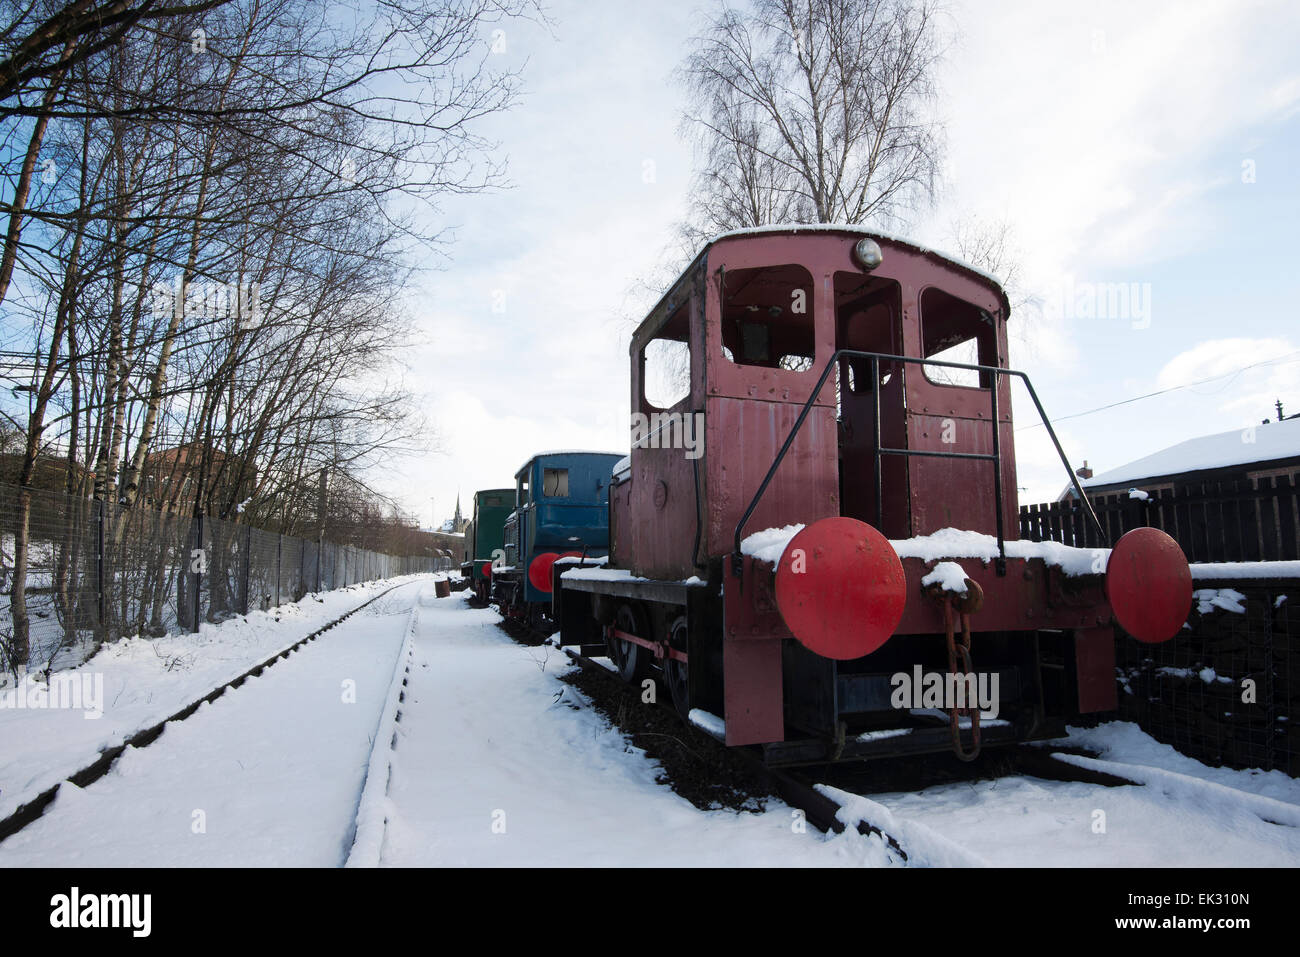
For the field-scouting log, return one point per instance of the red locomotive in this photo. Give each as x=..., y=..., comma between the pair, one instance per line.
x=783, y=551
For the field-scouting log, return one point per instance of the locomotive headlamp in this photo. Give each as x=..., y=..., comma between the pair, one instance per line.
x=868, y=253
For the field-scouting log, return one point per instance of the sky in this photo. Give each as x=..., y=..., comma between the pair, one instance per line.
x=1153, y=147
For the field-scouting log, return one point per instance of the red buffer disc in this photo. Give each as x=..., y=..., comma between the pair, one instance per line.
x=487, y=569
x=1149, y=585
x=539, y=570
x=840, y=588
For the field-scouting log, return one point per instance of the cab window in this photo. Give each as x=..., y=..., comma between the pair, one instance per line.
x=953, y=330
x=767, y=317
x=666, y=362
x=555, y=483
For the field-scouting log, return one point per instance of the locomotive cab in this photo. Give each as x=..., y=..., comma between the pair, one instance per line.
x=485, y=539
x=560, y=509
x=821, y=419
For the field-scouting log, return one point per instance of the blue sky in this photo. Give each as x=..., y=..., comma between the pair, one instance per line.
x=1112, y=140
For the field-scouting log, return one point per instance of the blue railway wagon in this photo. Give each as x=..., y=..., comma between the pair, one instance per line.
x=561, y=508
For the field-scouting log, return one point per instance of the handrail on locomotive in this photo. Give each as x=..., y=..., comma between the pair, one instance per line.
x=995, y=456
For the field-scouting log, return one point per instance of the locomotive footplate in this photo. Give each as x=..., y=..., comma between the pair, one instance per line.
x=898, y=742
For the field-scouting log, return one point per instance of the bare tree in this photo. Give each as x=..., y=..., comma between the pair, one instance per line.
x=268, y=146
x=989, y=244
x=817, y=110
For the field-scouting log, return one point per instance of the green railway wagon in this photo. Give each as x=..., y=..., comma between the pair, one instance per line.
x=484, y=539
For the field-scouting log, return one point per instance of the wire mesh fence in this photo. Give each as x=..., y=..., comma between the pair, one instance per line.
x=96, y=572
x=1227, y=690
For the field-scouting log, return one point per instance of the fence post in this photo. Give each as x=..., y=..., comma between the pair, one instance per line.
x=248, y=563
x=99, y=570
x=198, y=574
x=279, y=544
x=320, y=558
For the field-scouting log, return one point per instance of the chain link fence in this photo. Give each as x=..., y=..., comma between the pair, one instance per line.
x=1226, y=691
x=97, y=572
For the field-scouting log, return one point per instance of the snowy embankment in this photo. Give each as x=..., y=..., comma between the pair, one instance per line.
x=142, y=681
x=268, y=774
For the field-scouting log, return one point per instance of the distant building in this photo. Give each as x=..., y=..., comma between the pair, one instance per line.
x=457, y=523
x=1268, y=450
x=167, y=481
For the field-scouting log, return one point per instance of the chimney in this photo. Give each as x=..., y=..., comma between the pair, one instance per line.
x=1085, y=472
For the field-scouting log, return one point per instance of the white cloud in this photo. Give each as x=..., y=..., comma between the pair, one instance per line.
x=1218, y=356
x=1099, y=131
x=1269, y=371
x=1103, y=133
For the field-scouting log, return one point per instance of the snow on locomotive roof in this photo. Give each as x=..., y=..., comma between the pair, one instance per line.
x=622, y=465
x=538, y=455
x=861, y=231
x=1260, y=443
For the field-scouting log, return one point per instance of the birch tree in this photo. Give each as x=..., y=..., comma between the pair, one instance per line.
x=813, y=111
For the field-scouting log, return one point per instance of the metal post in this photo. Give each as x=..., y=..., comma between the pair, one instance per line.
x=320, y=558
x=1001, y=562
x=248, y=564
x=198, y=575
x=875, y=424
x=279, y=543
x=99, y=570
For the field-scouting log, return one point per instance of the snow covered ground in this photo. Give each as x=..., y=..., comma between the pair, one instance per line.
x=494, y=765
x=495, y=762
x=267, y=775
x=1188, y=815
x=144, y=681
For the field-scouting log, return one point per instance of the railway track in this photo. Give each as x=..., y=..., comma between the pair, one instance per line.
x=837, y=797
x=832, y=804
x=32, y=810
x=820, y=807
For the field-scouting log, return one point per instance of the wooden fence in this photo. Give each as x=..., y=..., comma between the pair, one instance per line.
x=1212, y=521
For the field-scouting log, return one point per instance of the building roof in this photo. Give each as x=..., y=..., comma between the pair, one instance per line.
x=1261, y=443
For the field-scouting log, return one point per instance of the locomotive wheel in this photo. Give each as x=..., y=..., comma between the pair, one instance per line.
x=629, y=659
x=676, y=675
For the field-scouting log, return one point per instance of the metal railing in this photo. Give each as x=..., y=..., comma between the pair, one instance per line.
x=995, y=456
